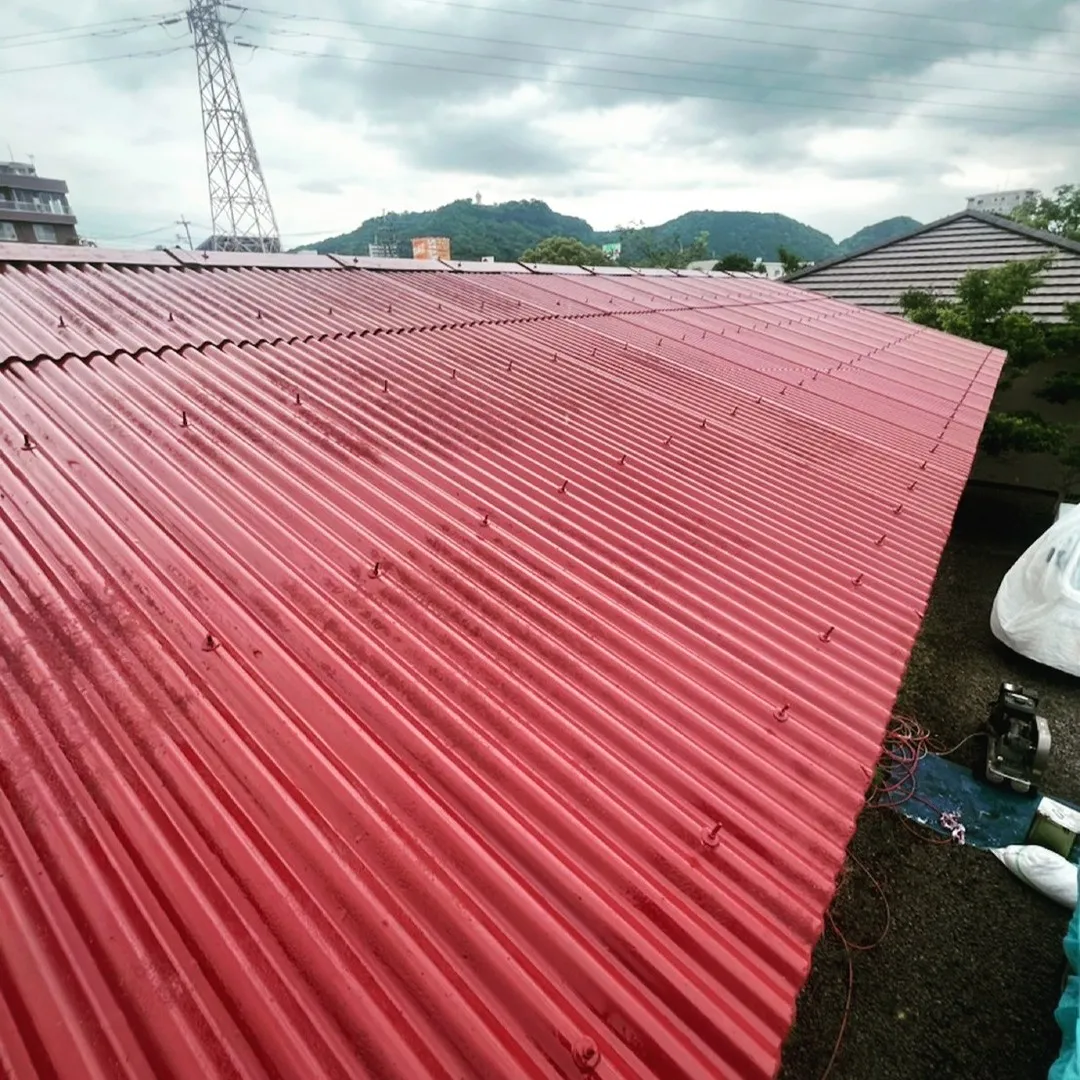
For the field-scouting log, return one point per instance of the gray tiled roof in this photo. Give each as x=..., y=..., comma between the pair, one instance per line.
x=936, y=256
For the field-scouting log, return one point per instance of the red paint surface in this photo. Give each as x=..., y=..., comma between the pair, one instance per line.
x=493, y=651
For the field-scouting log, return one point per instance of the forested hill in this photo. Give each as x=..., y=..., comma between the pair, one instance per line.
x=505, y=230
x=878, y=233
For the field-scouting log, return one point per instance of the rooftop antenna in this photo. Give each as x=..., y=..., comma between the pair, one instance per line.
x=241, y=217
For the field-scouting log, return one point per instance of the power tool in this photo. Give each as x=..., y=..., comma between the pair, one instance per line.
x=1018, y=739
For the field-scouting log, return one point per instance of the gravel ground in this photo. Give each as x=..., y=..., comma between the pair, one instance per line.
x=965, y=981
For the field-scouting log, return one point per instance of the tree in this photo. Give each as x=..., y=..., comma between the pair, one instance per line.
x=1059, y=213
x=791, y=262
x=565, y=251
x=735, y=260
x=985, y=309
x=647, y=247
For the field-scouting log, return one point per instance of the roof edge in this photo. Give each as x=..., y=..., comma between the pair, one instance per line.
x=1007, y=224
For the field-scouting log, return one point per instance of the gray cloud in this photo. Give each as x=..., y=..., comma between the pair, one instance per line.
x=316, y=186
x=508, y=92
x=742, y=85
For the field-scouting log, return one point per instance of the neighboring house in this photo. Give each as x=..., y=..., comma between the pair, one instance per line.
x=33, y=209
x=938, y=255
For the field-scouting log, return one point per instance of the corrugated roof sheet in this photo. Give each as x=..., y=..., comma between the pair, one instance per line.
x=938, y=255
x=445, y=674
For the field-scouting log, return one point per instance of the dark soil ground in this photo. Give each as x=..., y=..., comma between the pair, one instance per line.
x=966, y=979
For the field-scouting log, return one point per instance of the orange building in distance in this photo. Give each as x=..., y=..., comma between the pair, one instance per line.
x=431, y=247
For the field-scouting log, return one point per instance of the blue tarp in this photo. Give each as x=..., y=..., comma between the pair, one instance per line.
x=992, y=815
x=1067, y=1066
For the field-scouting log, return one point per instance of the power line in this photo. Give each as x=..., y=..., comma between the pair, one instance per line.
x=141, y=19
x=109, y=34
x=514, y=77
x=138, y=235
x=649, y=74
x=97, y=60
x=609, y=4
x=698, y=34
x=920, y=15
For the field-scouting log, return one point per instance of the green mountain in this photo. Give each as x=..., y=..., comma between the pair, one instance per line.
x=756, y=235
x=507, y=229
x=504, y=230
x=878, y=233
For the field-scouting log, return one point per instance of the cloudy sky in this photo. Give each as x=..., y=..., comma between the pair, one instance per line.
x=837, y=112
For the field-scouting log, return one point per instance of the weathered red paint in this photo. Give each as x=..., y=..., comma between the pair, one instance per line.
x=445, y=674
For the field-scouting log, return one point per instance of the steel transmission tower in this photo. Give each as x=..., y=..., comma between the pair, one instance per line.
x=241, y=216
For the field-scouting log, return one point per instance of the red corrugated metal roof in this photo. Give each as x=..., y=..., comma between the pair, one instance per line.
x=445, y=675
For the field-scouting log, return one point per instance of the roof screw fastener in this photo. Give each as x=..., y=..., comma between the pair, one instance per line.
x=899, y=508
x=487, y=518
x=27, y=442
x=171, y=317
x=385, y=385
x=923, y=465
x=827, y=635
x=61, y=320
x=880, y=540
x=586, y=1055
x=390, y=309
x=857, y=580
x=735, y=411
x=702, y=425
x=759, y=399
x=781, y=714
x=622, y=460
x=783, y=390
x=659, y=341
x=667, y=441
x=210, y=643
x=562, y=489
x=258, y=314
x=453, y=373
x=510, y=366
x=297, y=397
x=329, y=311
x=911, y=486
x=183, y=418
x=375, y=569
x=710, y=834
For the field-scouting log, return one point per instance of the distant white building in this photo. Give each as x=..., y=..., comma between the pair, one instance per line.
x=1001, y=202
x=771, y=269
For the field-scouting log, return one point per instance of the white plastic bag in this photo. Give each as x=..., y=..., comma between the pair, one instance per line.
x=1037, y=607
x=1042, y=869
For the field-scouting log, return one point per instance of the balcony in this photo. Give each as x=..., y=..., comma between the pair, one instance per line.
x=56, y=213
x=31, y=182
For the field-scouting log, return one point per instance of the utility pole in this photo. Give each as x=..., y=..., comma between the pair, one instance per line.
x=241, y=216
x=187, y=229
